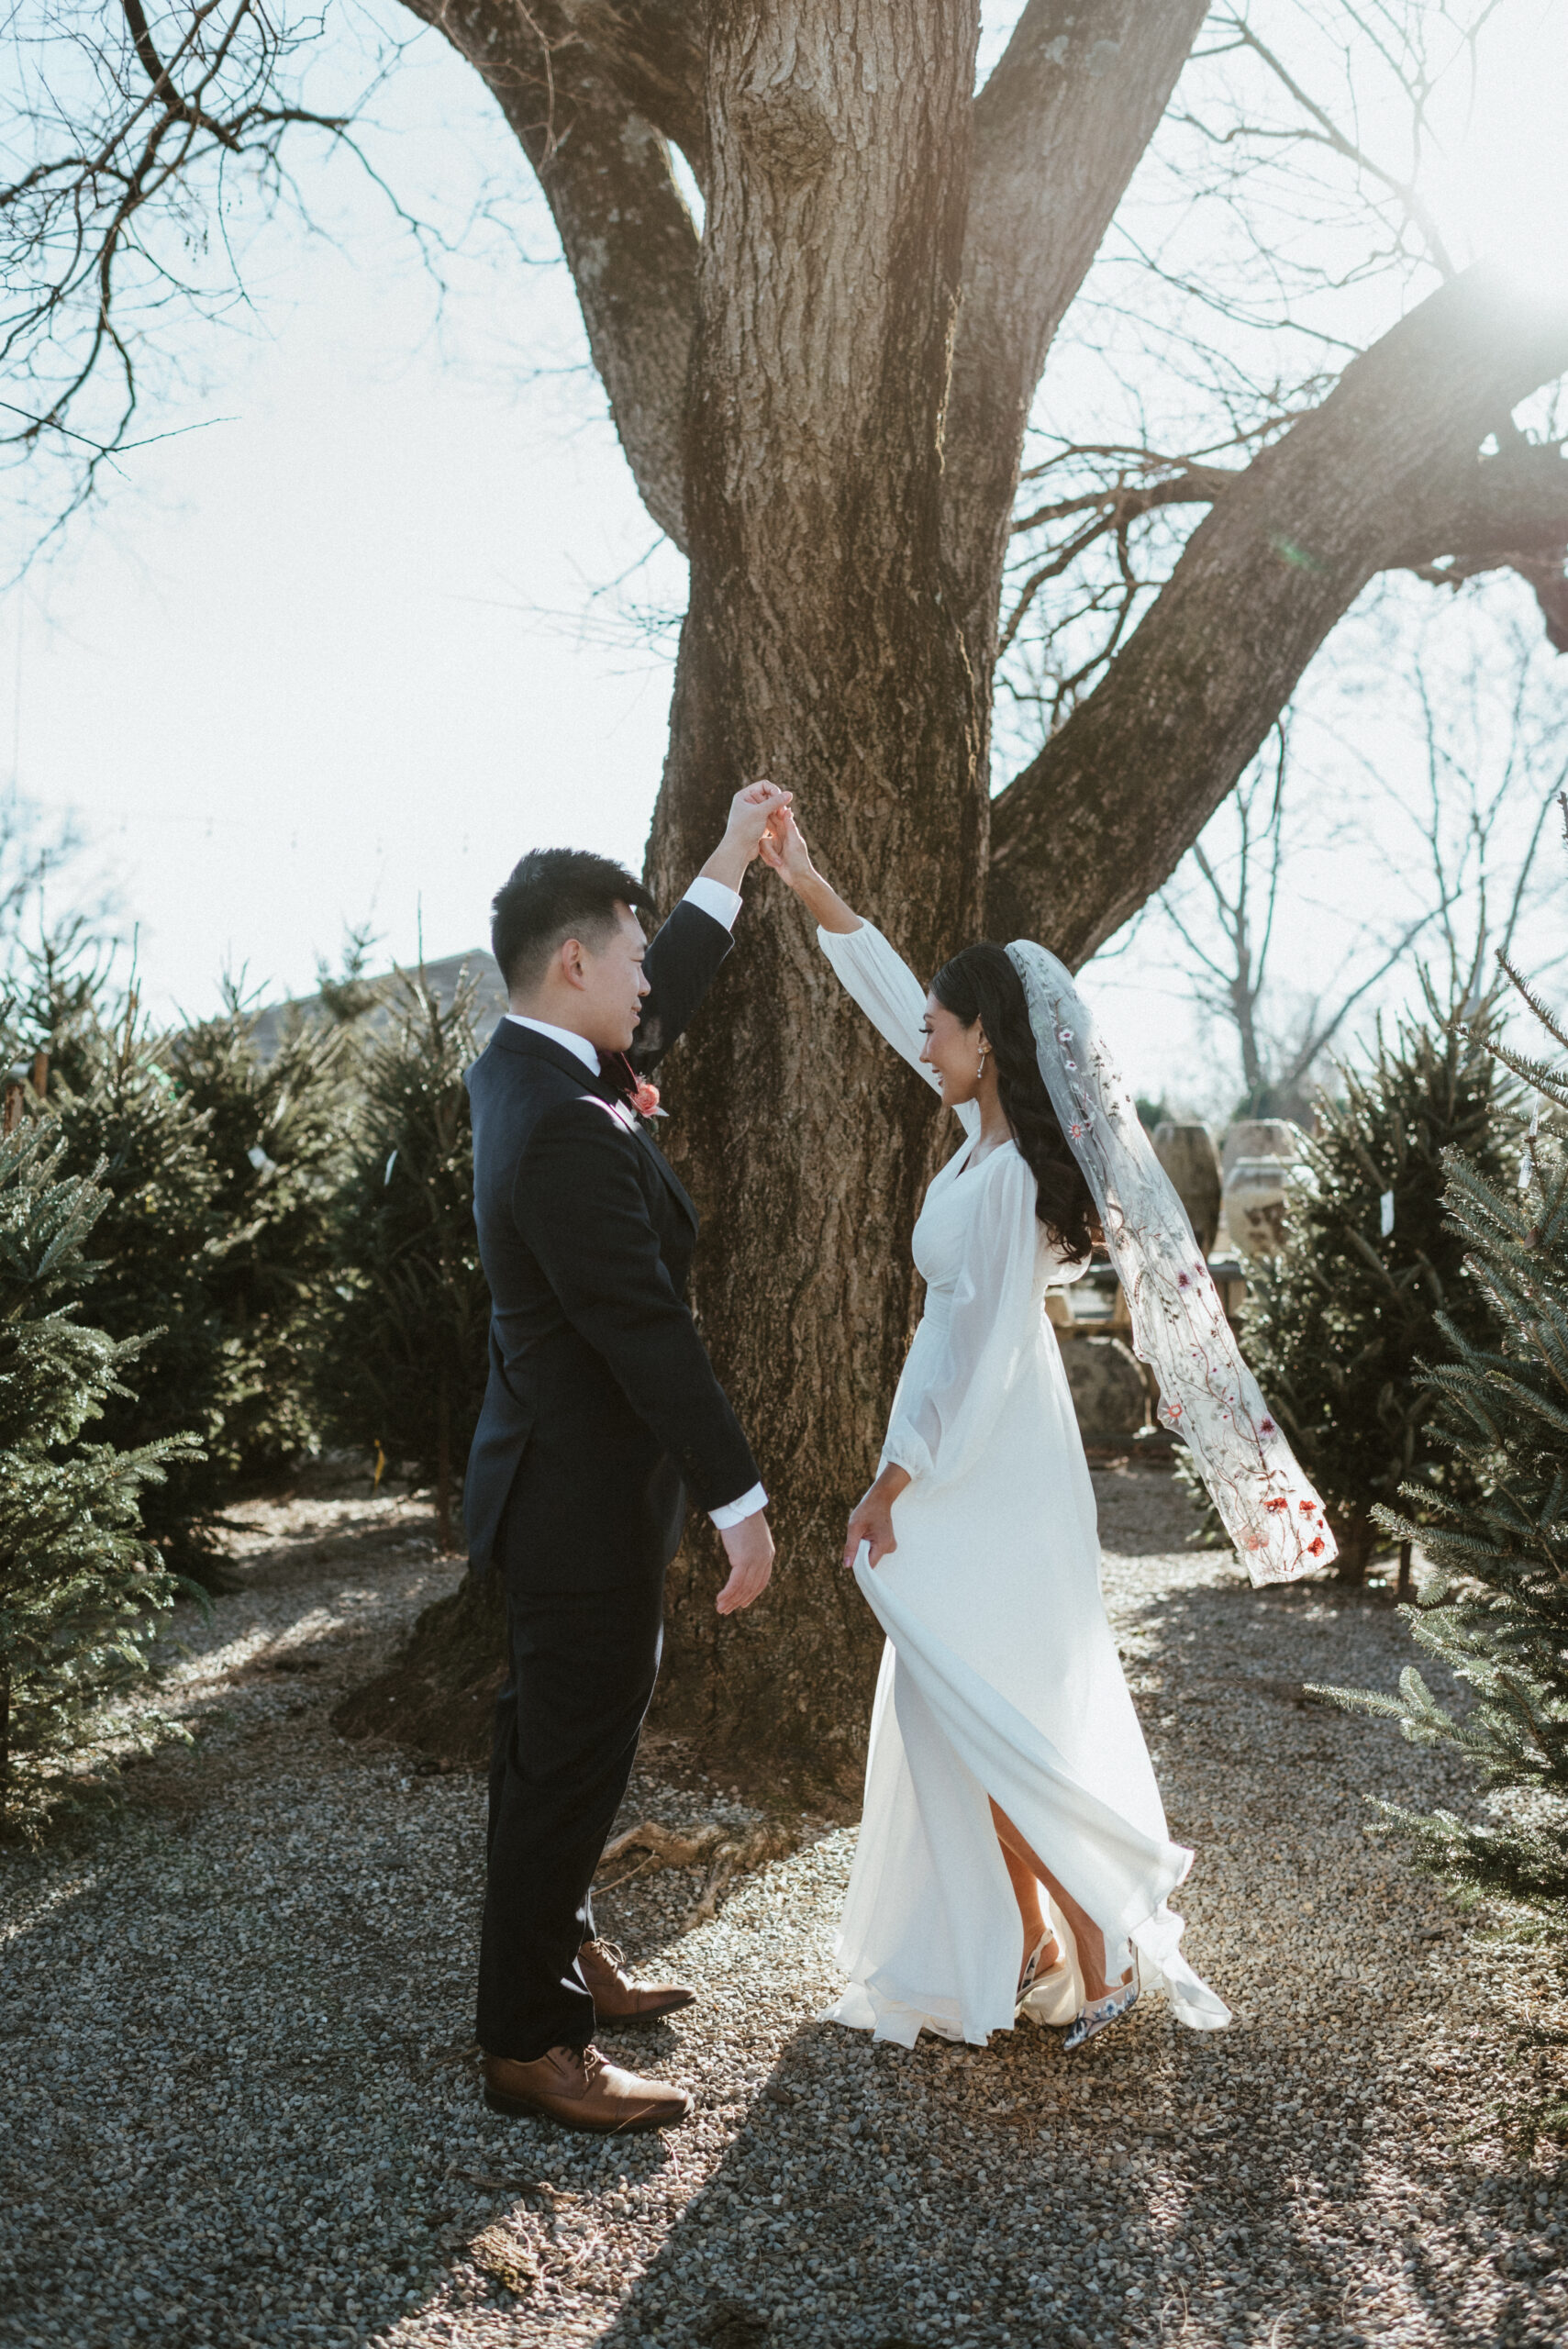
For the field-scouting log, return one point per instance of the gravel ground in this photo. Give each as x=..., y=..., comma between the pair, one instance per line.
x=242, y=2106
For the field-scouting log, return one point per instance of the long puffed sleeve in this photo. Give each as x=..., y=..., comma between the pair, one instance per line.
x=943, y=1416
x=891, y=996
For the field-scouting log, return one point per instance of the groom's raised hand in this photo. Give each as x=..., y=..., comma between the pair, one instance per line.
x=753, y=809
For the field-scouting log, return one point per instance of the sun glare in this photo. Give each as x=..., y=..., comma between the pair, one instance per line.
x=1499, y=184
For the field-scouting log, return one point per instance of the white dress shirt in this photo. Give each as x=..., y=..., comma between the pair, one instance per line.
x=709, y=897
x=566, y=1037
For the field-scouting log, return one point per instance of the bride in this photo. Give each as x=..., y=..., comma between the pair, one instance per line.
x=1013, y=1851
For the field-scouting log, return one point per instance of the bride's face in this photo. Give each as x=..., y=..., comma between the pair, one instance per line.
x=953, y=1050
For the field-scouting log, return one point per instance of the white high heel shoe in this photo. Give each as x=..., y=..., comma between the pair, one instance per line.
x=1097, y=2014
x=1050, y=1998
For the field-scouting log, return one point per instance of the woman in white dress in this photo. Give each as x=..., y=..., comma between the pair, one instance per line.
x=1013, y=1849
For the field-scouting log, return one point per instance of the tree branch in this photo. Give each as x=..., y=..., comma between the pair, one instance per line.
x=1510, y=513
x=143, y=145
x=652, y=50
x=605, y=168
x=1483, y=515
x=1408, y=194
x=1101, y=818
x=1059, y=128
x=1124, y=500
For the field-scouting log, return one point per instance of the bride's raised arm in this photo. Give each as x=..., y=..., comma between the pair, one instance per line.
x=879, y=979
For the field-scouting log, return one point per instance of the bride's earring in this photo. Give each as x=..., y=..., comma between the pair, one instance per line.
x=984, y=1048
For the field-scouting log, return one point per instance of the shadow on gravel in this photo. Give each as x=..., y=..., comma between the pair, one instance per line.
x=241, y=2113
x=1303, y=2179
x=1010, y=2196
x=1160, y=2190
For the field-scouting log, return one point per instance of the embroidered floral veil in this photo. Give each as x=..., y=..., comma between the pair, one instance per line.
x=1209, y=1395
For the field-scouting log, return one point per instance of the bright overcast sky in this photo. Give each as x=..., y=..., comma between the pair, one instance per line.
x=319, y=660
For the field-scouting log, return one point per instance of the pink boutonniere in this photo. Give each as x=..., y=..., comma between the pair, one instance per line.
x=642, y=1095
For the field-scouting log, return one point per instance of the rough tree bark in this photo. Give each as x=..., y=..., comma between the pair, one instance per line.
x=827, y=293
x=823, y=397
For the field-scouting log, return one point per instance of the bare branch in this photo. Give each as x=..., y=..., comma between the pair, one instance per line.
x=85, y=225
x=653, y=52
x=1262, y=579
x=604, y=170
x=1417, y=209
x=1127, y=499
x=1058, y=130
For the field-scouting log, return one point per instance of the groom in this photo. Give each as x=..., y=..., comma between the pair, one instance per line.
x=601, y=1413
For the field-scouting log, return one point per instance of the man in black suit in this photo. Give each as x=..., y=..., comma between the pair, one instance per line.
x=601, y=1413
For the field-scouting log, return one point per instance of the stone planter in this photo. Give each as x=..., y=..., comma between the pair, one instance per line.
x=1107, y=1389
x=1254, y=1206
x=1187, y=1156
x=1259, y=1138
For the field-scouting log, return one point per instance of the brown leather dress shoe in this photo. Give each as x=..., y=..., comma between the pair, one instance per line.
x=577, y=2087
x=617, y=1998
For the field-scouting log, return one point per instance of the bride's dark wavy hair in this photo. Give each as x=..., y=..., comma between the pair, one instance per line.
x=981, y=984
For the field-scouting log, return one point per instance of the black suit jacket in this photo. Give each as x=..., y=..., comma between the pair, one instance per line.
x=600, y=1403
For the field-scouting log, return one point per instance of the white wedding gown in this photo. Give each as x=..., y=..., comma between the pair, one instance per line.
x=1000, y=1676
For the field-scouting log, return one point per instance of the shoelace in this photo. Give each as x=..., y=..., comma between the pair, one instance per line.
x=612, y=1954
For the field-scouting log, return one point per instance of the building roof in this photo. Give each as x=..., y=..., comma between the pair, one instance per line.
x=443, y=977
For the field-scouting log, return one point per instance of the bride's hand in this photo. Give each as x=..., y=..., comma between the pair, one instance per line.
x=872, y=1521
x=783, y=849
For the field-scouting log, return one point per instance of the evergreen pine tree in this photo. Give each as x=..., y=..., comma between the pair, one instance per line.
x=160, y=1237
x=1495, y=1609
x=276, y=1133
x=404, y=1354
x=1371, y=1279
x=79, y=1587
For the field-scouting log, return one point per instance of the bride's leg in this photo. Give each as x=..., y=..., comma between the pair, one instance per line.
x=1026, y=1890
x=1086, y=1932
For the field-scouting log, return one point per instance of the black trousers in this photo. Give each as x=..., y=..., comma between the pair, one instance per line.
x=582, y=1666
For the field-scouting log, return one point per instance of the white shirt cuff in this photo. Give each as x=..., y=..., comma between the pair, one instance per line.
x=713, y=897
x=735, y=1512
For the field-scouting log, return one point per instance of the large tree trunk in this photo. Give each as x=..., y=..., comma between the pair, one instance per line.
x=818, y=649
x=823, y=399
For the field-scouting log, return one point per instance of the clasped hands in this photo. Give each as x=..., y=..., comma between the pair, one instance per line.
x=755, y=807
x=760, y=825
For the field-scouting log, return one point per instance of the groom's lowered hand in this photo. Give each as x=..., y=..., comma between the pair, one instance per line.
x=749, y=1547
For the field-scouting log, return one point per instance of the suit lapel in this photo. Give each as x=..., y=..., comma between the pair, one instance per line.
x=613, y=1083
x=528, y=1041
x=678, y=1190
x=634, y=1125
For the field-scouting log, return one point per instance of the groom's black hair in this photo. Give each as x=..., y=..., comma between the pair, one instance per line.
x=550, y=896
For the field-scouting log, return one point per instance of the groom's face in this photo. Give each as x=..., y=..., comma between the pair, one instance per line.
x=609, y=977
